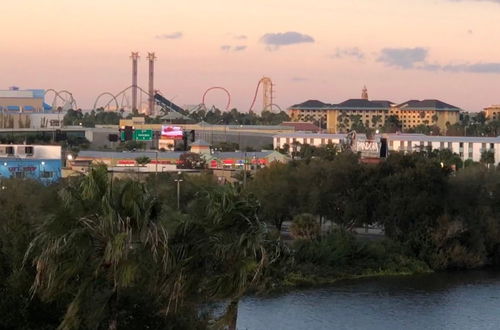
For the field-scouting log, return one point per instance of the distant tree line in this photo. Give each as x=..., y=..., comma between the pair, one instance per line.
x=212, y=116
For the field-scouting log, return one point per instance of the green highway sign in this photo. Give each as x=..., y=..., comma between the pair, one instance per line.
x=143, y=135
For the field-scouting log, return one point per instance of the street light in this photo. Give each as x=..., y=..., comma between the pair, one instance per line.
x=40, y=168
x=179, y=180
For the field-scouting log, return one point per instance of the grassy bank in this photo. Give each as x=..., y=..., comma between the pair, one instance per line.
x=340, y=256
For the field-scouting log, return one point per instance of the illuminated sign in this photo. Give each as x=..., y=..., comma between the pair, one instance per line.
x=143, y=135
x=367, y=146
x=172, y=132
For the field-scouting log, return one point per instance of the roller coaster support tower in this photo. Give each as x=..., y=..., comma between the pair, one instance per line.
x=135, y=58
x=151, y=99
x=267, y=93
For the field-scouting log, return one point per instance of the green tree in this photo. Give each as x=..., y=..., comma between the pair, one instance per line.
x=275, y=188
x=142, y=160
x=305, y=226
x=392, y=124
x=487, y=157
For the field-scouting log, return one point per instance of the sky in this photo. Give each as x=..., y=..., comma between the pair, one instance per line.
x=319, y=49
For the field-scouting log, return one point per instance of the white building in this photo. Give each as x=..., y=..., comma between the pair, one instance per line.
x=467, y=147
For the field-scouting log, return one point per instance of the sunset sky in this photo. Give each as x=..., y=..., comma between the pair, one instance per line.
x=320, y=49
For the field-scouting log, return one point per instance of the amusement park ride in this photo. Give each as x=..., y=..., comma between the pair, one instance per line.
x=121, y=101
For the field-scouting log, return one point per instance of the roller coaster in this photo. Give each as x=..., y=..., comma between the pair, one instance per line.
x=119, y=101
x=65, y=97
x=267, y=97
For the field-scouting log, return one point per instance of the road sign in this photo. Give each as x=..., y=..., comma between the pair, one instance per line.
x=143, y=134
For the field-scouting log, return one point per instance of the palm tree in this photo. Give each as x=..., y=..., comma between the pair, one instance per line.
x=141, y=161
x=376, y=119
x=236, y=244
x=106, y=241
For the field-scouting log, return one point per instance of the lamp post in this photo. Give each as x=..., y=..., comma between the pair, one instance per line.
x=41, y=169
x=178, y=181
x=2, y=187
x=69, y=159
x=245, y=170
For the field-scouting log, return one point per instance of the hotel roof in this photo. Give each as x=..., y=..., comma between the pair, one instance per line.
x=310, y=104
x=427, y=105
x=363, y=104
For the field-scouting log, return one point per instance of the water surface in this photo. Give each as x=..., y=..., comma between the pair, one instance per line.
x=460, y=300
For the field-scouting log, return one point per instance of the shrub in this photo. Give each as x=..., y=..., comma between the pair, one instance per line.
x=305, y=226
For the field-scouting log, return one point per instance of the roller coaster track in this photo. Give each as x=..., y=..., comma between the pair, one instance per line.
x=228, y=104
x=57, y=94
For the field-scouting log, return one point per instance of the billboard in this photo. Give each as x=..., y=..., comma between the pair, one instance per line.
x=171, y=132
x=368, y=148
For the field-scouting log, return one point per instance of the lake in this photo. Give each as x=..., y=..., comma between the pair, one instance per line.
x=456, y=300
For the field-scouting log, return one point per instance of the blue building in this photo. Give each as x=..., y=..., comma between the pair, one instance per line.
x=41, y=163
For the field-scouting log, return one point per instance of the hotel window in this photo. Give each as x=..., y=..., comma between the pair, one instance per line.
x=470, y=154
x=492, y=146
x=461, y=154
x=470, y=145
x=441, y=145
x=449, y=145
x=461, y=144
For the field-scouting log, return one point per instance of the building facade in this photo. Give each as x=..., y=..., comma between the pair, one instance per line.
x=492, y=112
x=343, y=116
x=466, y=147
x=20, y=101
x=373, y=114
x=427, y=112
x=311, y=111
x=38, y=162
